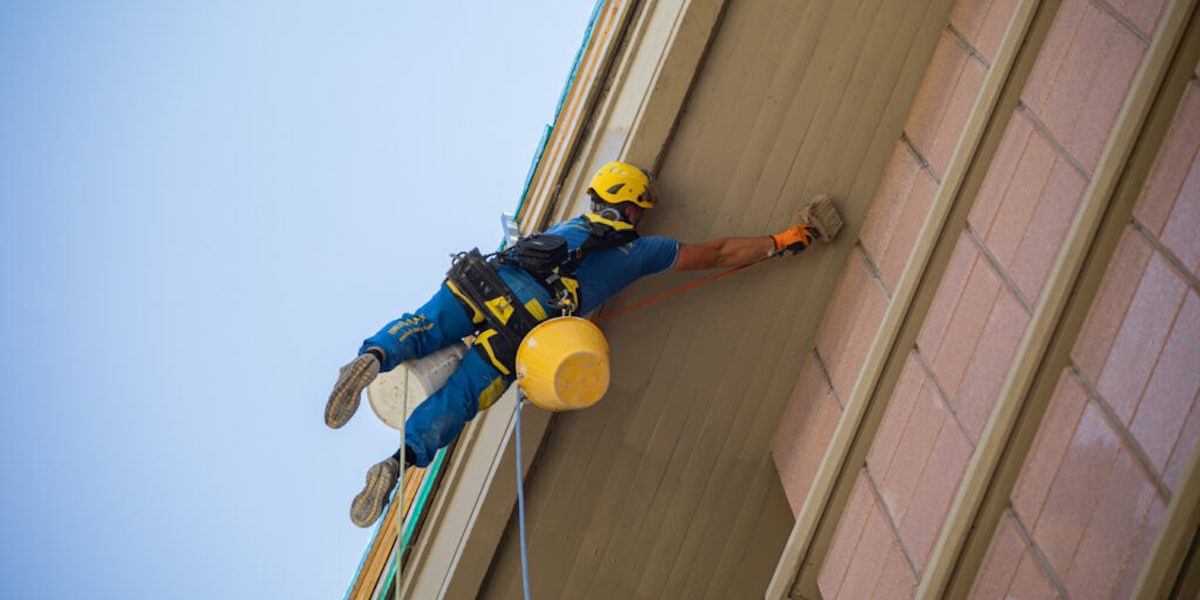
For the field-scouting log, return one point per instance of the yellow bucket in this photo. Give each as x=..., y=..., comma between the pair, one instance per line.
x=563, y=364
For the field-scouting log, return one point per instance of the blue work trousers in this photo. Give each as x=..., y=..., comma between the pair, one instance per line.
x=475, y=385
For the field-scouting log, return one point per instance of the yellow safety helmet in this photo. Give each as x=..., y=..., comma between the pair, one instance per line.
x=562, y=364
x=618, y=182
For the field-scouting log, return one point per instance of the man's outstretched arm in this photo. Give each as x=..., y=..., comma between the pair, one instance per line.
x=736, y=251
x=723, y=252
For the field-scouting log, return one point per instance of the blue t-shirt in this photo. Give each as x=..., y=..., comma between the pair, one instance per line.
x=602, y=274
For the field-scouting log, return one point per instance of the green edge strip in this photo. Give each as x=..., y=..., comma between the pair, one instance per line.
x=417, y=508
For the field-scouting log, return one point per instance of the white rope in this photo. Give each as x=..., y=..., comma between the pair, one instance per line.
x=521, y=495
x=400, y=484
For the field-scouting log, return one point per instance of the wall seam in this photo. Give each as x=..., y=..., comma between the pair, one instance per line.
x=999, y=270
x=825, y=375
x=945, y=397
x=1167, y=254
x=1058, y=146
x=1120, y=18
x=1043, y=561
x=925, y=166
x=866, y=256
x=1122, y=431
x=887, y=513
x=966, y=45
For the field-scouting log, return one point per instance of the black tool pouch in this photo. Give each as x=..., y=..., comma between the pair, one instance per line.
x=538, y=254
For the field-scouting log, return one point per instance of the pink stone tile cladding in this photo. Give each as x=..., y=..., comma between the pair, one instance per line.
x=1175, y=164
x=1179, y=235
x=1108, y=90
x=895, y=419
x=990, y=363
x=908, y=226
x=931, y=500
x=999, y=568
x=1054, y=52
x=890, y=198
x=913, y=452
x=982, y=23
x=1016, y=209
x=1000, y=173
x=804, y=432
x=897, y=213
x=845, y=539
x=897, y=580
x=1043, y=236
x=1000, y=563
x=961, y=339
x=944, y=101
x=1073, y=497
x=934, y=94
x=1111, y=303
x=1049, y=447
x=1031, y=581
x=1141, y=337
x=962, y=261
x=848, y=328
x=1120, y=514
x=1087, y=83
x=869, y=557
x=1183, y=447
x=1141, y=549
x=1172, y=390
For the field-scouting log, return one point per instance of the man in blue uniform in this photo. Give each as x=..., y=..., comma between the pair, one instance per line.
x=620, y=194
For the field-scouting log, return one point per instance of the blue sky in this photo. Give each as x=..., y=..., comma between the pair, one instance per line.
x=205, y=207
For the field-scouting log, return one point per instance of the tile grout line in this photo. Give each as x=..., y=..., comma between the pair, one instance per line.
x=1119, y=18
x=825, y=375
x=891, y=522
x=1022, y=107
x=1047, y=568
x=1180, y=269
x=1000, y=271
x=945, y=397
x=966, y=45
x=1114, y=421
x=925, y=166
x=873, y=269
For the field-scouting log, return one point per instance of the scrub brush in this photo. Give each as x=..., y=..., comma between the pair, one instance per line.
x=823, y=215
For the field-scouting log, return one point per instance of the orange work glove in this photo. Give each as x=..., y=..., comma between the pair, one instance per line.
x=795, y=239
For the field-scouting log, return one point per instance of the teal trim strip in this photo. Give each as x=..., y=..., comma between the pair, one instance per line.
x=537, y=160
x=562, y=99
x=417, y=508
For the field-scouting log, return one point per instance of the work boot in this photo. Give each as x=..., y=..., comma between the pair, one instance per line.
x=343, y=400
x=370, y=502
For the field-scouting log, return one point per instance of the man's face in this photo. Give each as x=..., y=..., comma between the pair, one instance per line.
x=633, y=214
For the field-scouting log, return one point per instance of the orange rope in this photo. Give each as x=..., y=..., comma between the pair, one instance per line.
x=684, y=288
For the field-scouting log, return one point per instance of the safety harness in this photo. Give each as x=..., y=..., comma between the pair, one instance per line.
x=484, y=295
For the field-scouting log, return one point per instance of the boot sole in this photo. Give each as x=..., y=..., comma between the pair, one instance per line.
x=343, y=402
x=368, y=504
